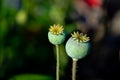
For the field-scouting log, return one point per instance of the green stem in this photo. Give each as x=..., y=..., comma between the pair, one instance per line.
x=57, y=65
x=74, y=69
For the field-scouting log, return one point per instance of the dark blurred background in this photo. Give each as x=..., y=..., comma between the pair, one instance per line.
x=26, y=53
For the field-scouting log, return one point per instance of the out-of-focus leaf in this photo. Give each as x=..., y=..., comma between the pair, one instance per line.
x=58, y=10
x=56, y=14
x=32, y=77
x=3, y=28
x=63, y=59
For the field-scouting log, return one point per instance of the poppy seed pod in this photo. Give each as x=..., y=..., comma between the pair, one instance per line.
x=56, y=34
x=77, y=46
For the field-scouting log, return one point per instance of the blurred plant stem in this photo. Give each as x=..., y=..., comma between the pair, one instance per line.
x=74, y=69
x=57, y=65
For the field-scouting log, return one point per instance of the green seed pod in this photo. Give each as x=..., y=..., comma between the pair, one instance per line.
x=56, y=39
x=77, y=46
x=56, y=34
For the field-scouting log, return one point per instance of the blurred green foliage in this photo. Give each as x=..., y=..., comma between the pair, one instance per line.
x=24, y=46
x=32, y=77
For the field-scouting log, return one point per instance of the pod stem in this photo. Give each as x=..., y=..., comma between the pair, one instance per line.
x=58, y=60
x=74, y=69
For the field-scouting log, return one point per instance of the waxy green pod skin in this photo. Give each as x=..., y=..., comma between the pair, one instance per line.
x=75, y=49
x=56, y=39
